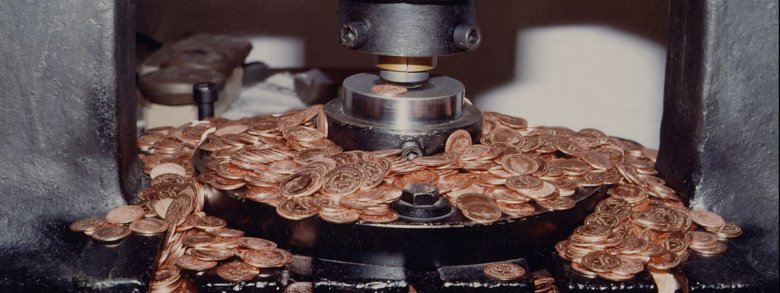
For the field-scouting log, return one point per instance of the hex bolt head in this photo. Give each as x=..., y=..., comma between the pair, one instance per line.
x=420, y=194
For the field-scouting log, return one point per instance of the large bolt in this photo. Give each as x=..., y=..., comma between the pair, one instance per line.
x=419, y=194
x=467, y=37
x=354, y=34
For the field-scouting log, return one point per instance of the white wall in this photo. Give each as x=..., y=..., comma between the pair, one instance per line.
x=590, y=63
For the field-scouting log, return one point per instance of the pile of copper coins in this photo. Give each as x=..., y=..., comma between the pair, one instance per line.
x=630, y=231
x=516, y=170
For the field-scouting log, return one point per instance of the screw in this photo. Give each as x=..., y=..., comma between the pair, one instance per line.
x=467, y=37
x=354, y=34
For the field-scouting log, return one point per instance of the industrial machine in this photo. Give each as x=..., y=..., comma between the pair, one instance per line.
x=63, y=163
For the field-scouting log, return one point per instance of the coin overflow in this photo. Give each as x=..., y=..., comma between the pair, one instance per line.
x=516, y=170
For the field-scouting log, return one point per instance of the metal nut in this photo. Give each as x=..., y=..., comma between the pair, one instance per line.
x=420, y=194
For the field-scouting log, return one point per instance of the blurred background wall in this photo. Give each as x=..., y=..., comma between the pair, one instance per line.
x=591, y=63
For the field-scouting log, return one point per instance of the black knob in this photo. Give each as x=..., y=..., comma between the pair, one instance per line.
x=422, y=202
x=205, y=94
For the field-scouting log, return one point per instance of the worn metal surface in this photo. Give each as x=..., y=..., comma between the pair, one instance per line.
x=719, y=133
x=67, y=132
x=419, y=28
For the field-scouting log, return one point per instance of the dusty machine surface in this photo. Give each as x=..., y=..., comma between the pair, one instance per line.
x=399, y=184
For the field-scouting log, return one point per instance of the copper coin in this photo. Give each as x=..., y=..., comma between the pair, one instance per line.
x=388, y=89
x=628, y=192
x=111, y=232
x=266, y=258
x=231, y=129
x=256, y=243
x=717, y=248
x=189, y=262
x=629, y=266
x=89, y=224
x=600, y=261
x=207, y=222
x=237, y=271
x=211, y=254
x=729, y=230
x=479, y=208
x=597, y=160
x=343, y=180
x=524, y=183
x=374, y=173
x=503, y=271
x=520, y=164
x=301, y=183
x=297, y=208
x=458, y=141
x=665, y=261
x=614, y=276
x=516, y=209
x=226, y=233
x=582, y=270
x=149, y=226
x=706, y=219
x=386, y=217
x=340, y=216
x=198, y=240
x=702, y=239
x=557, y=203
x=125, y=214
x=603, y=219
x=166, y=168
x=506, y=136
x=299, y=287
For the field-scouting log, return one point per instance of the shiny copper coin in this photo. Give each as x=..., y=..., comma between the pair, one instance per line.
x=299, y=287
x=266, y=258
x=198, y=240
x=600, y=261
x=167, y=168
x=192, y=263
x=597, y=160
x=304, y=182
x=343, y=180
x=111, y=232
x=503, y=271
x=507, y=136
x=125, y=214
x=520, y=164
x=557, y=203
x=629, y=266
x=702, y=239
x=613, y=276
x=297, y=208
x=89, y=224
x=149, y=226
x=717, y=248
x=524, y=183
x=479, y=208
x=388, y=89
x=628, y=193
x=256, y=243
x=237, y=271
x=729, y=230
x=706, y=219
x=582, y=270
x=207, y=222
x=340, y=216
x=458, y=141
x=211, y=254
x=665, y=261
x=226, y=232
x=386, y=217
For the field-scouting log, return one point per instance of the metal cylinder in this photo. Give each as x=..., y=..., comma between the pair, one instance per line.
x=414, y=28
x=440, y=99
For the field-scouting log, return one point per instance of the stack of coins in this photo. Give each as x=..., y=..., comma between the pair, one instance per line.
x=631, y=231
x=544, y=282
